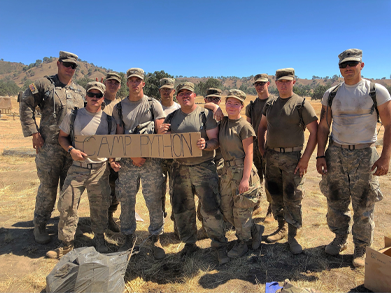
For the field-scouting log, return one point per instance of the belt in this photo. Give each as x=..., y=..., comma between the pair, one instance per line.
x=288, y=150
x=234, y=162
x=88, y=165
x=353, y=146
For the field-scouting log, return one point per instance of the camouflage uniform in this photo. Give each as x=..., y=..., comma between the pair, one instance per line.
x=55, y=100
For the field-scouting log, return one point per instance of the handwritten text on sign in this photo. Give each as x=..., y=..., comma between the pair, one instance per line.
x=177, y=145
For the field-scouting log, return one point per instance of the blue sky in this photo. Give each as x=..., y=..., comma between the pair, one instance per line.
x=201, y=38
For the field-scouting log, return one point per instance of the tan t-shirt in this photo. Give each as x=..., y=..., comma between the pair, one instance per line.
x=231, y=135
x=136, y=113
x=109, y=106
x=87, y=123
x=283, y=121
x=256, y=114
x=192, y=122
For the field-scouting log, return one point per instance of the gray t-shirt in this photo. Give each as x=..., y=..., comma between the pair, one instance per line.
x=192, y=122
x=352, y=121
x=169, y=110
x=109, y=106
x=138, y=113
x=87, y=123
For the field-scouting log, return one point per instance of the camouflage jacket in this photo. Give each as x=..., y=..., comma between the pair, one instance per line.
x=54, y=100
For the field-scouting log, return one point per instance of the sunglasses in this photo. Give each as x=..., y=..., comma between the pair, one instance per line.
x=350, y=63
x=211, y=99
x=91, y=95
x=69, y=64
x=260, y=83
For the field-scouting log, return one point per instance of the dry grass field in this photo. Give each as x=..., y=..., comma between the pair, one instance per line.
x=24, y=267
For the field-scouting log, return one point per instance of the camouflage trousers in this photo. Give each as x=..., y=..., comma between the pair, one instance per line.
x=285, y=187
x=201, y=180
x=128, y=184
x=260, y=164
x=166, y=168
x=97, y=183
x=52, y=163
x=349, y=179
x=113, y=200
x=238, y=208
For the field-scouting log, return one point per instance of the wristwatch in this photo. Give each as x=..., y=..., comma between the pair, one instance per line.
x=70, y=149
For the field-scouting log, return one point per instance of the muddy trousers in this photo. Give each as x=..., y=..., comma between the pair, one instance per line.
x=113, y=200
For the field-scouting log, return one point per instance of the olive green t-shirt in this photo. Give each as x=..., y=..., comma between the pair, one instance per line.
x=256, y=113
x=283, y=121
x=231, y=135
x=192, y=122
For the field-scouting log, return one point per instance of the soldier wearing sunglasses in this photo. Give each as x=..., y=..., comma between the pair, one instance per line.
x=351, y=164
x=55, y=95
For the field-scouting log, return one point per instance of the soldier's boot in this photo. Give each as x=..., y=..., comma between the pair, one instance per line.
x=240, y=248
x=62, y=250
x=129, y=243
x=338, y=245
x=112, y=225
x=201, y=234
x=189, y=249
x=157, y=248
x=359, y=255
x=222, y=256
x=269, y=218
x=100, y=243
x=294, y=246
x=257, y=209
x=279, y=234
x=256, y=233
x=40, y=234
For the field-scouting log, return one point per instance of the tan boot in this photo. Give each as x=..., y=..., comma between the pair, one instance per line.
x=269, y=218
x=240, y=248
x=59, y=252
x=157, y=248
x=279, y=234
x=294, y=246
x=256, y=232
x=100, y=243
x=40, y=234
x=338, y=245
x=112, y=225
x=359, y=255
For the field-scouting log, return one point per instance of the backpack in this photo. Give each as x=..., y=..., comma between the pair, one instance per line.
x=72, y=128
x=202, y=117
x=372, y=94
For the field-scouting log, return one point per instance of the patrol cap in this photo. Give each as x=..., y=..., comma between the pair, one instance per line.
x=96, y=85
x=213, y=92
x=350, y=55
x=262, y=77
x=68, y=57
x=113, y=75
x=187, y=85
x=138, y=72
x=167, y=83
x=285, y=73
x=237, y=94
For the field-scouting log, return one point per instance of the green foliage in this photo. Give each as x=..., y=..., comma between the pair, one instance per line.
x=124, y=90
x=26, y=84
x=302, y=90
x=8, y=88
x=202, y=87
x=152, y=83
x=248, y=90
x=319, y=91
x=273, y=90
x=83, y=81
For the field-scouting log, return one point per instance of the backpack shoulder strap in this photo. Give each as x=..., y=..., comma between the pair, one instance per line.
x=109, y=123
x=332, y=95
x=150, y=102
x=252, y=112
x=170, y=116
x=300, y=107
x=119, y=109
x=72, y=125
x=203, y=119
x=372, y=94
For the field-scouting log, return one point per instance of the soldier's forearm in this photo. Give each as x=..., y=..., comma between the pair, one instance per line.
x=212, y=144
x=323, y=134
x=386, y=152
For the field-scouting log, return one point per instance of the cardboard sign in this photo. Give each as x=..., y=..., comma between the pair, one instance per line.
x=168, y=146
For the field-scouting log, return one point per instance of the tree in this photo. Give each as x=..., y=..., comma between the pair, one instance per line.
x=26, y=84
x=319, y=91
x=8, y=87
x=124, y=90
x=202, y=87
x=152, y=83
x=83, y=81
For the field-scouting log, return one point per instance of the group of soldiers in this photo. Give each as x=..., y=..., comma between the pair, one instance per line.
x=266, y=147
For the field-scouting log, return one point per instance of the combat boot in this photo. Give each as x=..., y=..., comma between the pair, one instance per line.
x=338, y=245
x=240, y=248
x=294, y=246
x=359, y=255
x=201, y=234
x=269, y=218
x=129, y=243
x=279, y=234
x=100, y=243
x=112, y=225
x=189, y=249
x=62, y=250
x=222, y=256
x=256, y=233
x=157, y=249
x=40, y=234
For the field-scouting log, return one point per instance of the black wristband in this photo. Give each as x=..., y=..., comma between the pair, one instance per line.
x=320, y=157
x=206, y=145
x=70, y=149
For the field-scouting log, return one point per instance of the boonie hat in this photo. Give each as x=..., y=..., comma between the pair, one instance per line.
x=113, y=75
x=167, y=83
x=350, y=55
x=285, y=73
x=262, y=77
x=96, y=85
x=213, y=92
x=68, y=57
x=237, y=94
x=185, y=86
x=138, y=72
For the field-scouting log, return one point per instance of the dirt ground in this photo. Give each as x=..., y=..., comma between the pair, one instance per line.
x=24, y=267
